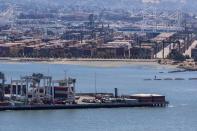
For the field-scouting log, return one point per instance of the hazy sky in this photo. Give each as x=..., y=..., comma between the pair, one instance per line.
x=169, y=4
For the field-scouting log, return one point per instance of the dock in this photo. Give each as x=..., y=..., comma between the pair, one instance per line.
x=81, y=106
x=41, y=92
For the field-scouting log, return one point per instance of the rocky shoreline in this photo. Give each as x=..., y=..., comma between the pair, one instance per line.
x=188, y=65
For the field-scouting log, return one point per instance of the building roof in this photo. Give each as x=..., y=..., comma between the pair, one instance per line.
x=145, y=95
x=5, y=45
x=163, y=36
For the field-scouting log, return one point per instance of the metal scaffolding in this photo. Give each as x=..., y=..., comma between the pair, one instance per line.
x=156, y=20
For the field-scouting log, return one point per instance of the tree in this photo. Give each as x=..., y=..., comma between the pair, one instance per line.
x=176, y=55
x=2, y=78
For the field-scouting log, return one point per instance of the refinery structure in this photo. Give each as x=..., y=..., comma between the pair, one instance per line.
x=58, y=31
x=38, y=89
x=141, y=29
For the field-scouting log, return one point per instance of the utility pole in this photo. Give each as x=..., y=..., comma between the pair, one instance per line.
x=163, y=51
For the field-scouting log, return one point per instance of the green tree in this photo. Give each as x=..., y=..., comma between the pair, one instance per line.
x=176, y=55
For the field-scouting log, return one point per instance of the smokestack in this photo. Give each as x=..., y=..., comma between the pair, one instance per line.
x=116, y=92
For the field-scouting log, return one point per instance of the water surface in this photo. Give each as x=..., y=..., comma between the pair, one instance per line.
x=181, y=115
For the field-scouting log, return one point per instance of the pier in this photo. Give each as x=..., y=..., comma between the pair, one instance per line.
x=81, y=106
x=40, y=92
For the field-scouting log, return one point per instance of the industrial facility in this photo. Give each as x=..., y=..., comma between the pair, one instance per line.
x=144, y=33
x=38, y=89
x=37, y=92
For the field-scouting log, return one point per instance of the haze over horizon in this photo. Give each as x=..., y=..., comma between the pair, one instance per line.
x=185, y=5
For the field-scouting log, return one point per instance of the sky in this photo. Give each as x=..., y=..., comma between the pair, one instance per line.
x=125, y=4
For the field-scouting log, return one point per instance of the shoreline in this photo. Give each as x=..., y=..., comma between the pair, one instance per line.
x=96, y=62
x=19, y=59
x=82, y=61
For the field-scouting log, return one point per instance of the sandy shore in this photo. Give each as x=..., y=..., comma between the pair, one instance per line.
x=85, y=62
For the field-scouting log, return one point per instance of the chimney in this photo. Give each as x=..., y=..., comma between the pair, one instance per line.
x=116, y=92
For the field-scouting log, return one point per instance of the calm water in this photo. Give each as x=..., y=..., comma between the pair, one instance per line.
x=181, y=115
